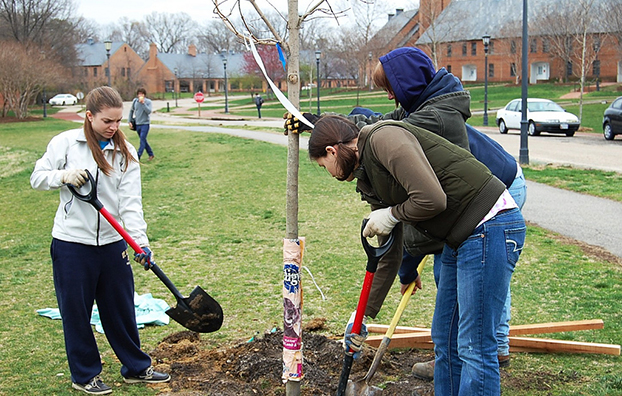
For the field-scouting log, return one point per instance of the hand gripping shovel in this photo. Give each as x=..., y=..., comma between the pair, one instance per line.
x=373, y=257
x=199, y=312
x=361, y=387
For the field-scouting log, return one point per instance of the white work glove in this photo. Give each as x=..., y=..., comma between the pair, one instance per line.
x=75, y=177
x=353, y=343
x=381, y=222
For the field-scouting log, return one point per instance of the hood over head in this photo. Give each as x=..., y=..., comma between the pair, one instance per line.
x=409, y=70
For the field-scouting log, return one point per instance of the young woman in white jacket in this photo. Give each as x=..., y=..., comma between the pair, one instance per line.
x=89, y=257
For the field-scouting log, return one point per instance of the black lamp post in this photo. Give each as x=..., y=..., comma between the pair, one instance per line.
x=45, y=99
x=174, y=91
x=523, y=156
x=370, y=56
x=318, y=53
x=108, y=46
x=486, y=40
x=224, y=64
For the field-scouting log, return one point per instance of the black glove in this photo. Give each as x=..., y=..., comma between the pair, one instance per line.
x=294, y=125
x=145, y=258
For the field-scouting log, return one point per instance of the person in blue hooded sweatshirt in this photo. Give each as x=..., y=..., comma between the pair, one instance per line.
x=434, y=100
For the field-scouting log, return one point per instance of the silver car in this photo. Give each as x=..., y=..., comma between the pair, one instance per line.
x=543, y=115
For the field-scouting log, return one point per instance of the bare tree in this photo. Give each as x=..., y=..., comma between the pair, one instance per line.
x=214, y=37
x=24, y=72
x=170, y=32
x=131, y=32
x=511, y=47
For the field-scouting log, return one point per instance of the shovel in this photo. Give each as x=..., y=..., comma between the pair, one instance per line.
x=361, y=387
x=374, y=254
x=199, y=312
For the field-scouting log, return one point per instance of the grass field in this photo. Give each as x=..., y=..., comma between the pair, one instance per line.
x=215, y=206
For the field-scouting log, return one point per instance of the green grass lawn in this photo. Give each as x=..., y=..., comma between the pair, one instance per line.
x=215, y=206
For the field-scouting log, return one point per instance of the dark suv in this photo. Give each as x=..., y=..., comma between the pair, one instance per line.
x=612, y=119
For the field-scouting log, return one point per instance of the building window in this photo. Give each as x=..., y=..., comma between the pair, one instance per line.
x=491, y=47
x=474, y=48
x=448, y=68
x=533, y=46
x=596, y=45
x=491, y=70
x=128, y=72
x=513, y=47
x=596, y=67
x=94, y=72
x=449, y=50
x=513, y=70
x=123, y=72
x=464, y=49
x=106, y=72
x=568, y=69
x=85, y=72
x=546, y=45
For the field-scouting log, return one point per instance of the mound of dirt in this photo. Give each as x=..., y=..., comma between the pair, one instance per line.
x=254, y=368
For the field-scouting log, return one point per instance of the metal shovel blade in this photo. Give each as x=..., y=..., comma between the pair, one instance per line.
x=360, y=387
x=199, y=312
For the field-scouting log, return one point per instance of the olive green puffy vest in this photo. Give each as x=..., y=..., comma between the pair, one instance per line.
x=470, y=188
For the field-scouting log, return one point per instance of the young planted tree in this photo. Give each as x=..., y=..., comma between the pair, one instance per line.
x=256, y=27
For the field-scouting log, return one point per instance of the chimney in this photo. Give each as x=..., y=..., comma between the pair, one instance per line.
x=153, y=51
x=391, y=16
x=192, y=50
x=398, y=11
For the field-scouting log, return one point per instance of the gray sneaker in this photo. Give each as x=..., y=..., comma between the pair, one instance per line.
x=148, y=376
x=424, y=371
x=93, y=387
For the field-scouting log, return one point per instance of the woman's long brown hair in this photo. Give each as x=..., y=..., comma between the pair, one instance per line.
x=98, y=99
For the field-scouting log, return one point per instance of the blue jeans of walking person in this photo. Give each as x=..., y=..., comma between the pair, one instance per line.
x=472, y=290
x=142, y=131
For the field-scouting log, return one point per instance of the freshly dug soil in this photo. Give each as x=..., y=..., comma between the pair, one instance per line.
x=254, y=368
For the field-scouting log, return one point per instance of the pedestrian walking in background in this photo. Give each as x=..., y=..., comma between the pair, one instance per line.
x=141, y=113
x=258, y=102
x=89, y=258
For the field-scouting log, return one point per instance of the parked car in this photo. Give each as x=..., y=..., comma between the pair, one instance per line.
x=543, y=115
x=612, y=119
x=63, y=100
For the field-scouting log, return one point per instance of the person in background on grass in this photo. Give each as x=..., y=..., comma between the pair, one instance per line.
x=412, y=176
x=141, y=112
x=258, y=102
x=436, y=101
x=89, y=258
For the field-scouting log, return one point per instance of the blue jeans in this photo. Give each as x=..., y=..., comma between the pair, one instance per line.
x=518, y=191
x=472, y=290
x=143, y=130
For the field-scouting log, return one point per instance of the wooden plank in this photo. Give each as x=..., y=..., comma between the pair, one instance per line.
x=554, y=346
x=423, y=340
x=537, y=328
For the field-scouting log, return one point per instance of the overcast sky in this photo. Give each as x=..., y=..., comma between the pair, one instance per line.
x=109, y=11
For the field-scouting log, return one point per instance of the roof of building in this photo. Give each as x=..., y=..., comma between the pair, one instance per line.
x=93, y=53
x=395, y=25
x=202, y=65
x=465, y=20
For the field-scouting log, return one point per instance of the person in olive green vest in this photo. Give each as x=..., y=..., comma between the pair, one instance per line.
x=410, y=175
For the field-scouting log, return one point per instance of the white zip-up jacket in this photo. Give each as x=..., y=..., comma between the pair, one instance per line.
x=120, y=193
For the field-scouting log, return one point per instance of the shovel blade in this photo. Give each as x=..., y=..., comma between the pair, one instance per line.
x=362, y=388
x=199, y=312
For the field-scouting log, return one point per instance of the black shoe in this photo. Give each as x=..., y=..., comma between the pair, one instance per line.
x=148, y=376
x=94, y=387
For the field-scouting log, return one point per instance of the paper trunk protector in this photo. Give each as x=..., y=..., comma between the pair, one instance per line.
x=292, y=309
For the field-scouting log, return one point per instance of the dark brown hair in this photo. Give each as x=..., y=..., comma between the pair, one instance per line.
x=98, y=99
x=336, y=131
x=379, y=78
x=141, y=91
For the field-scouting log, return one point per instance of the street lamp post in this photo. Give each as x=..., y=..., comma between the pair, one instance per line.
x=224, y=64
x=45, y=99
x=370, y=56
x=174, y=90
x=318, y=53
x=108, y=46
x=486, y=40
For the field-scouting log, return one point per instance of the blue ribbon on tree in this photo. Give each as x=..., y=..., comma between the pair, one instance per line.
x=281, y=57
